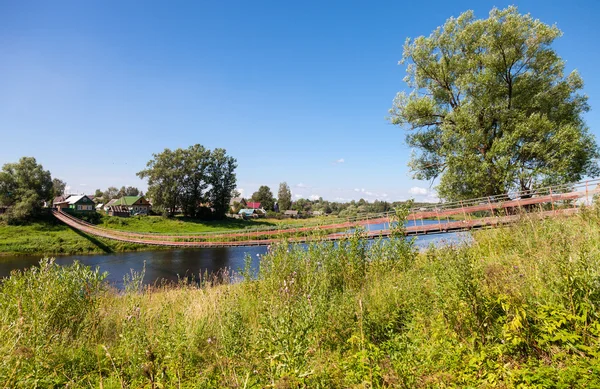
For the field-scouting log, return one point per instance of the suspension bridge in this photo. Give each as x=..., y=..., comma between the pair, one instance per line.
x=464, y=215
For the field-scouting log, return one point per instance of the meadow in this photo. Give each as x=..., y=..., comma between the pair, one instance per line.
x=518, y=308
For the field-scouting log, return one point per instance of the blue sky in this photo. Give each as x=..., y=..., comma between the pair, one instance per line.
x=295, y=91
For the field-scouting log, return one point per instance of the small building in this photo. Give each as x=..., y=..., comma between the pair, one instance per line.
x=118, y=210
x=291, y=213
x=81, y=203
x=236, y=202
x=252, y=213
x=110, y=203
x=137, y=205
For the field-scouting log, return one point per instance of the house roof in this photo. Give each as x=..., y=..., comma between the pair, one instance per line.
x=111, y=202
x=127, y=200
x=118, y=208
x=60, y=199
x=246, y=212
x=253, y=204
x=236, y=200
x=76, y=199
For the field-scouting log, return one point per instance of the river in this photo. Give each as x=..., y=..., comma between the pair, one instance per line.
x=172, y=264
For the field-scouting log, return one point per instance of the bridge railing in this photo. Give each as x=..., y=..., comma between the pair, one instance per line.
x=553, y=194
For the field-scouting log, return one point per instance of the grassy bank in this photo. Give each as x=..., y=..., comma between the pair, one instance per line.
x=49, y=237
x=518, y=308
x=179, y=225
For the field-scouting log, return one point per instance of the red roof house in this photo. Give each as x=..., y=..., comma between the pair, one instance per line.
x=253, y=205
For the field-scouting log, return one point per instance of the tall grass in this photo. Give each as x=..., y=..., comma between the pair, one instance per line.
x=517, y=308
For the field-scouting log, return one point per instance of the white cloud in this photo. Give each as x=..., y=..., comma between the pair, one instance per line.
x=301, y=185
x=298, y=196
x=417, y=190
x=314, y=197
x=241, y=190
x=341, y=160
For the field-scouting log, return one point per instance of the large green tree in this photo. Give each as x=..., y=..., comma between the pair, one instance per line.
x=189, y=179
x=265, y=197
x=284, y=197
x=24, y=186
x=491, y=110
x=58, y=187
x=222, y=181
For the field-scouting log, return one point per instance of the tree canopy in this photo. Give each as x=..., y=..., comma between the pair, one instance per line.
x=191, y=180
x=491, y=110
x=58, y=187
x=284, y=197
x=265, y=197
x=24, y=186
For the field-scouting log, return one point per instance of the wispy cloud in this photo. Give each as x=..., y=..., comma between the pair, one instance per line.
x=298, y=195
x=314, y=197
x=338, y=161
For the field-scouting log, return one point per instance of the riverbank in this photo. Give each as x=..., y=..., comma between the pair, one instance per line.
x=517, y=308
x=47, y=236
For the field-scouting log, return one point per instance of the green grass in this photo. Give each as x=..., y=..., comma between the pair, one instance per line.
x=181, y=225
x=519, y=308
x=49, y=237
x=178, y=225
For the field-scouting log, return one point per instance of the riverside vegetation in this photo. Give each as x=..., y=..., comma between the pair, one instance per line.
x=48, y=236
x=520, y=307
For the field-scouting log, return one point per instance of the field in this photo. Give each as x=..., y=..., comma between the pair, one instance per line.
x=518, y=308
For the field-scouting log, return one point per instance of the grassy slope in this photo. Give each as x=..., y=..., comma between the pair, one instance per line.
x=49, y=237
x=179, y=225
x=519, y=308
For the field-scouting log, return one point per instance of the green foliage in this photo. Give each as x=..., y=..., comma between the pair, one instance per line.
x=491, y=110
x=520, y=307
x=58, y=187
x=42, y=311
x=222, y=180
x=265, y=197
x=284, y=197
x=24, y=186
x=186, y=178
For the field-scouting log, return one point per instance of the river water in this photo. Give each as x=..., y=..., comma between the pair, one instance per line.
x=172, y=264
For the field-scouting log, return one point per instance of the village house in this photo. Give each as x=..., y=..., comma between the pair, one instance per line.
x=237, y=202
x=251, y=213
x=136, y=205
x=79, y=203
x=253, y=205
x=291, y=213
